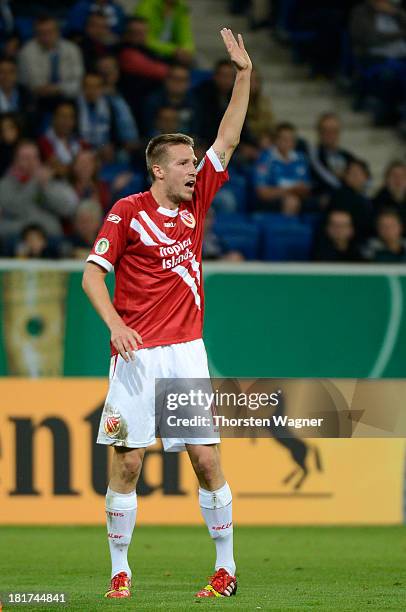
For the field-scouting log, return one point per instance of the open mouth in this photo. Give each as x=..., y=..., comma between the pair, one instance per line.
x=190, y=184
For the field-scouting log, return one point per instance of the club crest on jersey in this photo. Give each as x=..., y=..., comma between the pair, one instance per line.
x=187, y=218
x=112, y=425
x=102, y=246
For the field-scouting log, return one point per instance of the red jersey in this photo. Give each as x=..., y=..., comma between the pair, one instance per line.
x=157, y=254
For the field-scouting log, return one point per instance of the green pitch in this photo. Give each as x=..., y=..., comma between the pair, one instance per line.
x=279, y=568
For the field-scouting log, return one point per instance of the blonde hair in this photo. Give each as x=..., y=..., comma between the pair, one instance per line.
x=157, y=148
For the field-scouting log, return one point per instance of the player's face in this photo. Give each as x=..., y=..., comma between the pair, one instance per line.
x=179, y=173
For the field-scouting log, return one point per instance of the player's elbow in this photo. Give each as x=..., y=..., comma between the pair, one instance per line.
x=87, y=277
x=85, y=280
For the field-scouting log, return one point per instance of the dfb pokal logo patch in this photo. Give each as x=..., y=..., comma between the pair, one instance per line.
x=187, y=218
x=102, y=246
x=112, y=425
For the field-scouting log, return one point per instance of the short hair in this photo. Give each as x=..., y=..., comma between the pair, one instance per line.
x=25, y=142
x=325, y=116
x=397, y=163
x=389, y=212
x=221, y=63
x=340, y=211
x=285, y=125
x=93, y=75
x=157, y=148
x=33, y=227
x=95, y=14
x=137, y=19
x=8, y=60
x=361, y=163
x=44, y=18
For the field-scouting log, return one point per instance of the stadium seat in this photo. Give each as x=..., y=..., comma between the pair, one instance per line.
x=135, y=185
x=268, y=219
x=229, y=218
x=239, y=235
x=109, y=172
x=198, y=76
x=287, y=244
x=312, y=219
x=232, y=197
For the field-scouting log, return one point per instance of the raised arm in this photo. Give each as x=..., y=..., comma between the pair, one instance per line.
x=228, y=135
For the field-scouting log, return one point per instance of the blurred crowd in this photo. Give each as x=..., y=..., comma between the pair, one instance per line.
x=84, y=86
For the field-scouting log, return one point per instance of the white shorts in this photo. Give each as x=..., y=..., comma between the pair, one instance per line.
x=128, y=417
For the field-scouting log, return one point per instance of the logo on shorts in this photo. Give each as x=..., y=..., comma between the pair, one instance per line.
x=102, y=246
x=113, y=218
x=112, y=426
x=187, y=218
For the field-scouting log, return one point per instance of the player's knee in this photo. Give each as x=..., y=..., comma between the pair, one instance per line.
x=207, y=467
x=130, y=465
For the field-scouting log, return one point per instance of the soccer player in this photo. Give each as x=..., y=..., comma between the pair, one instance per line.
x=153, y=240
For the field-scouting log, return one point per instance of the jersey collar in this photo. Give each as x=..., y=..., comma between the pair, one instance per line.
x=167, y=212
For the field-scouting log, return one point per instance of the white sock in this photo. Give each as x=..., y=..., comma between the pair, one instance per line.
x=217, y=511
x=121, y=511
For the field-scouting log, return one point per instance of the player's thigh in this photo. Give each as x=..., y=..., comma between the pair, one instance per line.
x=189, y=360
x=128, y=418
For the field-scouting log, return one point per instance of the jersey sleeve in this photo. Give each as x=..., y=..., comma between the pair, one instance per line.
x=210, y=177
x=111, y=241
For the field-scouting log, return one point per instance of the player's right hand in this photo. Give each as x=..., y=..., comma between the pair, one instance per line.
x=125, y=340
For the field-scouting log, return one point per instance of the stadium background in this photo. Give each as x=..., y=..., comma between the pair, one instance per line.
x=262, y=319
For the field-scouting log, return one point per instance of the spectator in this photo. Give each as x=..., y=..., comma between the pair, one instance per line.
x=60, y=144
x=141, y=70
x=281, y=175
x=166, y=122
x=7, y=22
x=174, y=93
x=212, y=97
x=34, y=243
x=213, y=247
x=169, y=32
x=125, y=125
x=9, y=39
x=97, y=41
x=353, y=198
x=337, y=241
x=85, y=181
x=98, y=118
x=83, y=9
x=378, y=30
x=10, y=135
x=327, y=159
x=29, y=194
x=392, y=195
x=50, y=66
x=389, y=246
x=324, y=23
x=260, y=120
x=87, y=223
x=13, y=97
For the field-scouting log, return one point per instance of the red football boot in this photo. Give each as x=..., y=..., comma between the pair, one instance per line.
x=120, y=586
x=222, y=584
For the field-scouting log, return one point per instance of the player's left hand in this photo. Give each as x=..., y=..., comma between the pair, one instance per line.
x=236, y=50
